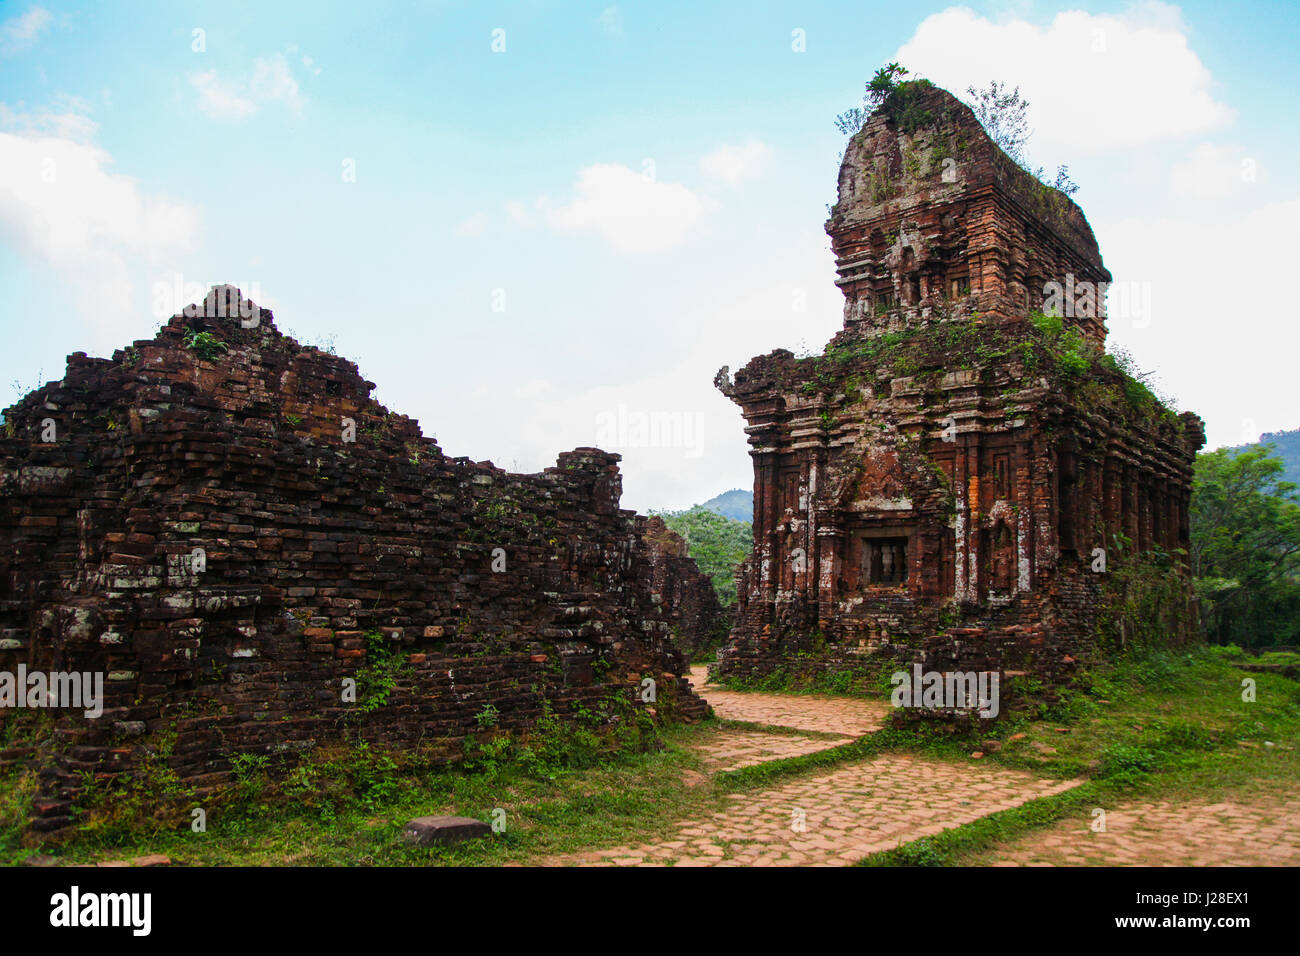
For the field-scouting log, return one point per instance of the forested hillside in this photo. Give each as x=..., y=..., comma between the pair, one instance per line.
x=717, y=544
x=1286, y=448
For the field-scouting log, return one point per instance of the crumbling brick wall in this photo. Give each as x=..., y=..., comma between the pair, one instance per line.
x=689, y=596
x=219, y=536
x=935, y=487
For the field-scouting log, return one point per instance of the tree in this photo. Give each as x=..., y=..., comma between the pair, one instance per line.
x=1004, y=116
x=717, y=544
x=1245, y=547
x=879, y=88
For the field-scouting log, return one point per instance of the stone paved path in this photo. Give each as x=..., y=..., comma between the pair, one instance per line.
x=733, y=749
x=828, y=819
x=849, y=716
x=835, y=818
x=847, y=813
x=1265, y=833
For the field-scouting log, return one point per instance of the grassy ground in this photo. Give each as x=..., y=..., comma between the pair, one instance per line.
x=1163, y=726
x=547, y=811
x=1166, y=724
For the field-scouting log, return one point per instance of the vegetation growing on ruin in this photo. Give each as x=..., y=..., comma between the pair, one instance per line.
x=1145, y=598
x=205, y=345
x=22, y=732
x=385, y=665
x=1001, y=110
x=890, y=92
x=1042, y=347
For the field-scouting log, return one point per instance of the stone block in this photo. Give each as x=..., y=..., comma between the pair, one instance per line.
x=443, y=831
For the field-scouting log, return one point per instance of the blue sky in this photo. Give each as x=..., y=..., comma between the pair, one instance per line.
x=547, y=241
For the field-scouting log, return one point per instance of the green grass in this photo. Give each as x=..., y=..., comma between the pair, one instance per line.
x=351, y=809
x=1162, y=725
x=752, y=725
x=1156, y=725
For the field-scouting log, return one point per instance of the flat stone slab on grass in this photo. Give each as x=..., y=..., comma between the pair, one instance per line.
x=443, y=831
x=152, y=859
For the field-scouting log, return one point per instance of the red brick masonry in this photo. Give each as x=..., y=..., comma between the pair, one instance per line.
x=320, y=517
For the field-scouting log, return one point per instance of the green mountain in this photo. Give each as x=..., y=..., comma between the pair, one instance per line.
x=735, y=504
x=1286, y=448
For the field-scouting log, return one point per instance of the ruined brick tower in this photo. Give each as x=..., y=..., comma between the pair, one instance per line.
x=935, y=485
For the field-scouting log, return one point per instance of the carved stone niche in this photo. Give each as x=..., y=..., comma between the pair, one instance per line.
x=882, y=558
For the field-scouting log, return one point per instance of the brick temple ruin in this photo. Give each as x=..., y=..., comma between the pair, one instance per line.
x=933, y=489
x=219, y=535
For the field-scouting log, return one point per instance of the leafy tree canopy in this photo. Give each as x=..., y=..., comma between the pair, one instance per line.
x=1245, y=547
x=716, y=543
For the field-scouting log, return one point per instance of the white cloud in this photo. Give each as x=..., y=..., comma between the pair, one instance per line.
x=1219, y=314
x=20, y=32
x=731, y=164
x=1213, y=172
x=61, y=206
x=271, y=82
x=534, y=388
x=474, y=226
x=518, y=214
x=221, y=100
x=69, y=122
x=1095, y=82
x=631, y=212
x=609, y=19
x=701, y=449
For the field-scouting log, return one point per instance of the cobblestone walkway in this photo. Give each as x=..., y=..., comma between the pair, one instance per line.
x=849, y=716
x=836, y=818
x=829, y=819
x=847, y=813
x=1265, y=833
x=733, y=749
